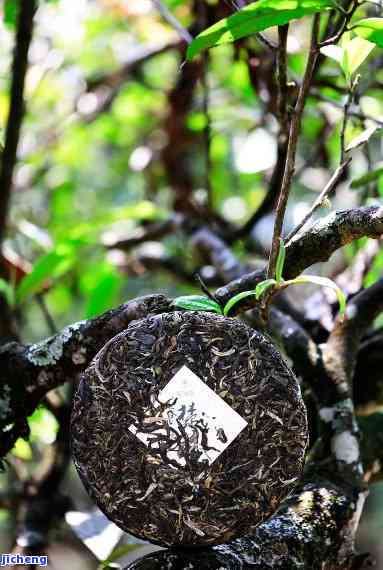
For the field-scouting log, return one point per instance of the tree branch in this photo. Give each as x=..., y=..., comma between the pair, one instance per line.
x=16, y=111
x=33, y=370
x=295, y=537
x=218, y=253
x=317, y=244
x=172, y=21
x=340, y=354
x=331, y=184
x=106, y=87
x=292, y=147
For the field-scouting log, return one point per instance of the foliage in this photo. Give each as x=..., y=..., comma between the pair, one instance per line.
x=255, y=17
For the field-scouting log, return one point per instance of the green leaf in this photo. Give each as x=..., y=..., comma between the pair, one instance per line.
x=323, y=282
x=22, y=450
x=104, y=293
x=8, y=291
x=350, y=55
x=280, y=261
x=334, y=52
x=362, y=138
x=43, y=426
x=254, y=18
x=10, y=13
x=370, y=29
x=236, y=299
x=117, y=553
x=263, y=286
x=354, y=54
x=367, y=178
x=51, y=265
x=197, y=303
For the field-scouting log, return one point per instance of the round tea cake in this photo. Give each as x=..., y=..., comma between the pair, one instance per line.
x=188, y=428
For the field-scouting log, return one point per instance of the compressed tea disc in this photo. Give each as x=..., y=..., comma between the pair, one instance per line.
x=188, y=428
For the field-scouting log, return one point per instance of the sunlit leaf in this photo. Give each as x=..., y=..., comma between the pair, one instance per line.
x=22, y=450
x=254, y=18
x=355, y=53
x=370, y=29
x=323, y=282
x=333, y=51
x=197, y=303
x=350, y=55
x=43, y=426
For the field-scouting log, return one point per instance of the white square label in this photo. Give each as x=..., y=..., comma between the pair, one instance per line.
x=190, y=422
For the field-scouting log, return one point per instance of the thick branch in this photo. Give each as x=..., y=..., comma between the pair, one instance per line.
x=36, y=369
x=217, y=252
x=317, y=244
x=342, y=347
x=106, y=87
x=297, y=343
x=313, y=530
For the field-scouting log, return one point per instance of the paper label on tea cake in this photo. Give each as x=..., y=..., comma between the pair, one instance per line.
x=190, y=422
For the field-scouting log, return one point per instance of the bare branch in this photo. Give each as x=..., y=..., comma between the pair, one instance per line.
x=351, y=279
x=330, y=186
x=317, y=244
x=295, y=537
x=38, y=368
x=172, y=20
x=150, y=232
x=292, y=146
x=107, y=87
x=341, y=350
x=218, y=253
x=16, y=110
x=346, y=116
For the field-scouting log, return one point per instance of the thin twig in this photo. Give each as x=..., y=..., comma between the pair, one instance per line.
x=346, y=116
x=348, y=14
x=16, y=110
x=351, y=112
x=283, y=32
x=173, y=21
x=207, y=129
x=46, y=314
x=292, y=146
x=205, y=288
x=331, y=184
